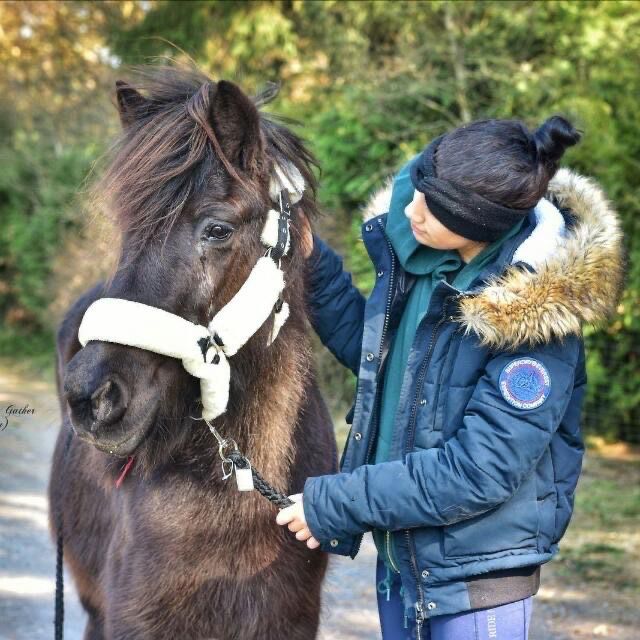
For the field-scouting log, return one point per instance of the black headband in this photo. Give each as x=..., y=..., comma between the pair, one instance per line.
x=460, y=210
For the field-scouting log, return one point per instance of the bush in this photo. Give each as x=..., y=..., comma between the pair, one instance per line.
x=37, y=187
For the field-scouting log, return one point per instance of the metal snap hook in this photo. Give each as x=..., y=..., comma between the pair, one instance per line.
x=227, y=469
x=223, y=445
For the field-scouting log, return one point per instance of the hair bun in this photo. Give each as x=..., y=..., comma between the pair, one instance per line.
x=552, y=138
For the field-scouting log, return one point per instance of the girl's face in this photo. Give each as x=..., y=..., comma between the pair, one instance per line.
x=427, y=229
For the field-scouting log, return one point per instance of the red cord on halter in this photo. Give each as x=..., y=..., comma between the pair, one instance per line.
x=125, y=470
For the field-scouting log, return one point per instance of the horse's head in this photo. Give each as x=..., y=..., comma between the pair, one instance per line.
x=189, y=187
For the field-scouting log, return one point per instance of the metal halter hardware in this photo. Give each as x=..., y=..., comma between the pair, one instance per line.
x=223, y=443
x=235, y=458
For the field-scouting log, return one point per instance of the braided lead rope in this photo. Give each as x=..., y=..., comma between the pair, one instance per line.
x=236, y=459
x=263, y=487
x=58, y=619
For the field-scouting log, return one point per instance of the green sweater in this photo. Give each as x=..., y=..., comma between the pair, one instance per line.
x=430, y=265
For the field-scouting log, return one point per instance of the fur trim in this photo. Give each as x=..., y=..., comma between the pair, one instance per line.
x=279, y=318
x=578, y=281
x=379, y=202
x=146, y=327
x=286, y=176
x=548, y=233
x=139, y=325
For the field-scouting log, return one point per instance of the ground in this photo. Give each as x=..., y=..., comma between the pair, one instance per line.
x=590, y=591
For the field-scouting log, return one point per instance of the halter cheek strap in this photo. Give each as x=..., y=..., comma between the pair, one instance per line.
x=204, y=350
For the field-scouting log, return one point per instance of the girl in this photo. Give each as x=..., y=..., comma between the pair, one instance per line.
x=465, y=445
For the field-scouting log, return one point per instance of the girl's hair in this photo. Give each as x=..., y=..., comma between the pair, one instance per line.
x=503, y=161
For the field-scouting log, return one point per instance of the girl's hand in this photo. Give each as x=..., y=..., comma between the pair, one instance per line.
x=294, y=517
x=306, y=237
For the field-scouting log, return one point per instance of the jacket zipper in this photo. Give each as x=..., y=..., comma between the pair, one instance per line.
x=382, y=336
x=387, y=541
x=385, y=325
x=420, y=614
x=408, y=446
x=389, y=291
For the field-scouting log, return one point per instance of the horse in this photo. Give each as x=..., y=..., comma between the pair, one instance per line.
x=165, y=546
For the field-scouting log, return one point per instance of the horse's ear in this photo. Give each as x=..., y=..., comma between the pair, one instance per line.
x=131, y=104
x=236, y=122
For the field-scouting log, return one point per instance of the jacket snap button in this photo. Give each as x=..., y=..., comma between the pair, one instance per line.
x=423, y=401
x=380, y=274
x=425, y=574
x=370, y=357
x=334, y=543
x=357, y=436
x=431, y=606
x=369, y=227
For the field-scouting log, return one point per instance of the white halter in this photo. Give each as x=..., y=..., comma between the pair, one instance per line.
x=204, y=350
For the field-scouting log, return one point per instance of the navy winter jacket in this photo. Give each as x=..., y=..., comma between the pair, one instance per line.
x=486, y=449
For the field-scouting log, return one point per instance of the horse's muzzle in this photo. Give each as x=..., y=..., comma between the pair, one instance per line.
x=95, y=410
x=109, y=404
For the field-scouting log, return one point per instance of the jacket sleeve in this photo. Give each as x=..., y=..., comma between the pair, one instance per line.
x=497, y=446
x=336, y=306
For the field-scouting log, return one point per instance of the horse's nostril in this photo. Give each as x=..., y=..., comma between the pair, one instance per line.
x=103, y=407
x=108, y=403
x=102, y=400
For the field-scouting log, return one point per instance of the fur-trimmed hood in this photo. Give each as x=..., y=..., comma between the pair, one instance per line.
x=575, y=274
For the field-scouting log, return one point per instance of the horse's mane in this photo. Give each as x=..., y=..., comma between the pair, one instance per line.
x=167, y=151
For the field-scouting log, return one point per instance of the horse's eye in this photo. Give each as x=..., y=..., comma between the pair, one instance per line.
x=217, y=231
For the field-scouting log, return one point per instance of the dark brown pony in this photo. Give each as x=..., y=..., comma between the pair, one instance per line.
x=175, y=551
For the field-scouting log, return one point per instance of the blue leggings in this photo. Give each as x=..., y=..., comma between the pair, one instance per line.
x=506, y=622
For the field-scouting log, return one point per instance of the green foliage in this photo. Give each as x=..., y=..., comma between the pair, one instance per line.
x=36, y=189
x=612, y=404
x=599, y=544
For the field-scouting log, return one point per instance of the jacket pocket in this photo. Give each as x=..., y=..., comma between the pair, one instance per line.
x=514, y=525
x=349, y=420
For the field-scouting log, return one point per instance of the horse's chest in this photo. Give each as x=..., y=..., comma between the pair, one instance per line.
x=213, y=535
x=193, y=566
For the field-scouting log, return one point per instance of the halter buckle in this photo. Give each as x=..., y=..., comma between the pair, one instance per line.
x=267, y=254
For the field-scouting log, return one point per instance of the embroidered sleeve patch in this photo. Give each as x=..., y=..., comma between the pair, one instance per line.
x=525, y=383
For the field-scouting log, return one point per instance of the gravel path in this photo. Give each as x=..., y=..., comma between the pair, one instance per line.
x=27, y=557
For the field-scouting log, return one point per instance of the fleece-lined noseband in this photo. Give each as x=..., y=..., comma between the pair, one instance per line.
x=204, y=350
